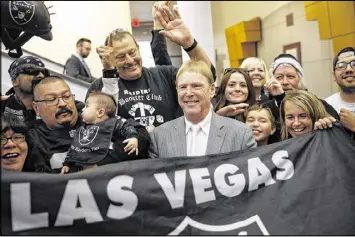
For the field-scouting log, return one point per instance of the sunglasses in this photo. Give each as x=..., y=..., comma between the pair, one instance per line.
x=35, y=71
x=227, y=70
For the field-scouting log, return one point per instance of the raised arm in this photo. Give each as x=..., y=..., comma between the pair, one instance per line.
x=177, y=31
x=158, y=43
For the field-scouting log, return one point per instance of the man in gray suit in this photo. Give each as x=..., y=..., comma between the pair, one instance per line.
x=200, y=131
x=76, y=65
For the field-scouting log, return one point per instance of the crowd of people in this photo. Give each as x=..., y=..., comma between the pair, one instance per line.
x=134, y=112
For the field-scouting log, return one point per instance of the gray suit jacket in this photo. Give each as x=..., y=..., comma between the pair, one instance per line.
x=75, y=68
x=226, y=135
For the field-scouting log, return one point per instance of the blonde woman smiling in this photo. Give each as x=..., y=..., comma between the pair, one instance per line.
x=258, y=72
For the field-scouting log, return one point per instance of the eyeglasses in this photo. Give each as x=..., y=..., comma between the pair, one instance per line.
x=34, y=71
x=55, y=101
x=341, y=66
x=16, y=138
x=227, y=70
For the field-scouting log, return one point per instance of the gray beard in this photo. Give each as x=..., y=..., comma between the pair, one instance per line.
x=347, y=90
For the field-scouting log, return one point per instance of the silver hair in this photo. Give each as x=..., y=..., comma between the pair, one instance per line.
x=301, y=85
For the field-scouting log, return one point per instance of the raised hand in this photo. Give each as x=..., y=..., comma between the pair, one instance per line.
x=158, y=5
x=274, y=87
x=174, y=28
x=106, y=55
x=347, y=118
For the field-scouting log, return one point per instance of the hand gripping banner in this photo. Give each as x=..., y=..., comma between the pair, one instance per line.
x=301, y=186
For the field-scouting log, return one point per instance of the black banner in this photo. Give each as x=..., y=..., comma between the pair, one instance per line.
x=302, y=186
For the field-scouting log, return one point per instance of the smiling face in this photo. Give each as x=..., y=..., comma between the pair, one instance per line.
x=344, y=74
x=237, y=89
x=260, y=123
x=256, y=71
x=128, y=58
x=298, y=122
x=13, y=151
x=194, y=95
x=288, y=77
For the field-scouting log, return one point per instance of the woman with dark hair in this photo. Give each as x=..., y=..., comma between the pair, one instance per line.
x=235, y=94
x=14, y=146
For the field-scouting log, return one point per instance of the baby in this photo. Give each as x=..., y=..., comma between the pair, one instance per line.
x=92, y=141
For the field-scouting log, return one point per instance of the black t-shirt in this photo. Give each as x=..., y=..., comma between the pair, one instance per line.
x=48, y=148
x=91, y=142
x=45, y=144
x=151, y=99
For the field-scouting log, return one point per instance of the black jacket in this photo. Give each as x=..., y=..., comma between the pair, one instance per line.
x=15, y=107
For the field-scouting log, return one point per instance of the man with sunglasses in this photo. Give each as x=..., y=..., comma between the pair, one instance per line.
x=19, y=103
x=344, y=75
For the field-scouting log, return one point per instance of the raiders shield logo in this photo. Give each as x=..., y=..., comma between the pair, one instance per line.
x=250, y=226
x=86, y=136
x=21, y=11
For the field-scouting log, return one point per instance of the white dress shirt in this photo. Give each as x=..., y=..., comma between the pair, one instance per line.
x=197, y=136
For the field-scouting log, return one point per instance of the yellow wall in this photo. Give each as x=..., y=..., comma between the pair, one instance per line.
x=228, y=13
x=336, y=21
x=77, y=19
x=241, y=40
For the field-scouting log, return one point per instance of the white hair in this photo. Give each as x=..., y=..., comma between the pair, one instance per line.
x=289, y=62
